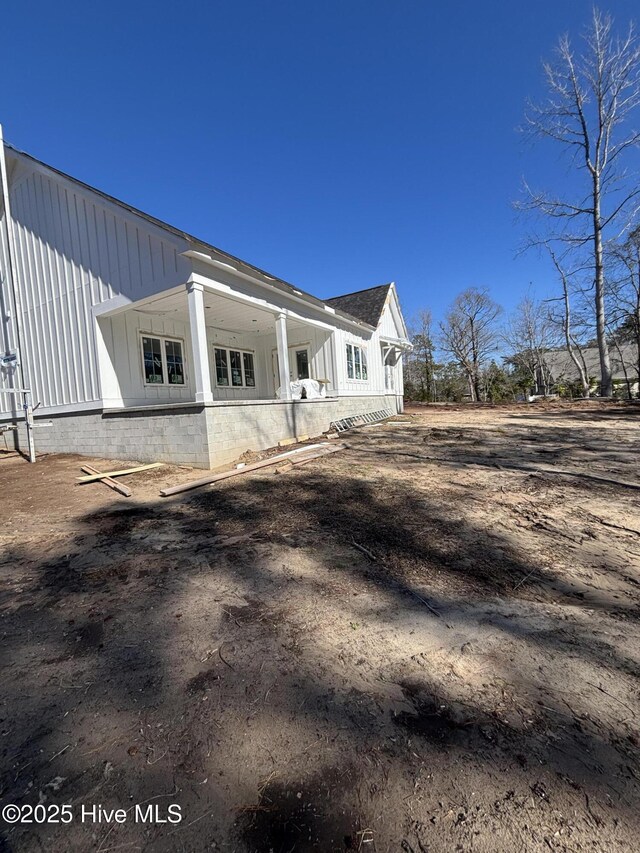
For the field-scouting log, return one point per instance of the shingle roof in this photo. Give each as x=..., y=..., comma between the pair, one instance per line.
x=561, y=366
x=366, y=305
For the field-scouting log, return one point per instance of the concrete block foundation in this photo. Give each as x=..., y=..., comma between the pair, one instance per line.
x=204, y=436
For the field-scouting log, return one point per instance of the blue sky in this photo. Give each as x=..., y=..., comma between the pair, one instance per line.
x=337, y=145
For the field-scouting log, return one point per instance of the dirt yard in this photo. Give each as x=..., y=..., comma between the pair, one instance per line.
x=427, y=642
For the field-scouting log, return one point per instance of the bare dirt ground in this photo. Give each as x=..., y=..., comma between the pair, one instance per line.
x=427, y=642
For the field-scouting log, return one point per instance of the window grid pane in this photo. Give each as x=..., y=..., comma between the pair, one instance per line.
x=249, y=370
x=236, y=368
x=152, y=355
x=302, y=364
x=363, y=355
x=222, y=369
x=350, y=373
x=356, y=358
x=175, y=365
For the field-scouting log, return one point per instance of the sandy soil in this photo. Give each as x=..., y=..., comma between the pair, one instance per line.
x=426, y=642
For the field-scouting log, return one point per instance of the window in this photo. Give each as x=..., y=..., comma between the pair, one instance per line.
x=249, y=371
x=235, y=365
x=302, y=364
x=163, y=362
x=152, y=356
x=222, y=370
x=175, y=364
x=236, y=368
x=356, y=362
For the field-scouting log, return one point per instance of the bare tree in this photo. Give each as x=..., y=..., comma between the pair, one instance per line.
x=469, y=334
x=592, y=97
x=419, y=369
x=529, y=334
x=572, y=344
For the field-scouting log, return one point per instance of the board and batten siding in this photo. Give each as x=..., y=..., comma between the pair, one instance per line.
x=123, y=335
x=320, y=346
x=375, y=383
x=75, y=250
x=243, y=343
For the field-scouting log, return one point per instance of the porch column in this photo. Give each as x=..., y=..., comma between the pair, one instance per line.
x=201, y=374
x=110, y=390
x=283, y=356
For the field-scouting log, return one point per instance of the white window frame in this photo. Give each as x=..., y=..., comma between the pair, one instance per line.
x=364, y=361
x=163, y=355
x=228, y=350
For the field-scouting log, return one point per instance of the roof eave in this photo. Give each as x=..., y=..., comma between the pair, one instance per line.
x=258, y=276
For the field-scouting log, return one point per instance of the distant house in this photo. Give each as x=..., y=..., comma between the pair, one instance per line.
x=624, y=365
x=140, y=341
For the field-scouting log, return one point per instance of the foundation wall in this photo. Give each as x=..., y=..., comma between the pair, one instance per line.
x=202, y=436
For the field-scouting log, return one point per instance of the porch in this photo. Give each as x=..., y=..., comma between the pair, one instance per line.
x=195, y=344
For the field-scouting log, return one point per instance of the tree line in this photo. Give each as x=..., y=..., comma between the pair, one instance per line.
x=588, y=227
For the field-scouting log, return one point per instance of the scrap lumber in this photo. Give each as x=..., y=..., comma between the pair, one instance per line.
x=124, y=490
x=310, y=458
x=120, y=473
x=301, y=456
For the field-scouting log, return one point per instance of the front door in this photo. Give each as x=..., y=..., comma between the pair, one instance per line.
x=299, y=365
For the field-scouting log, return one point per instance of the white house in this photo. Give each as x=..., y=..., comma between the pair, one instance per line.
x=139, y=341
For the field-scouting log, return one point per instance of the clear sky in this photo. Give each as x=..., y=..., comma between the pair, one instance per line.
x=337, y=144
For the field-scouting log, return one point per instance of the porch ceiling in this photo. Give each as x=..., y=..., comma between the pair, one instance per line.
x=220, y=313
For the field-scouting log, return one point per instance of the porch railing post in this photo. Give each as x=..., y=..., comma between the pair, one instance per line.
x=201, y=372
x=283, y=356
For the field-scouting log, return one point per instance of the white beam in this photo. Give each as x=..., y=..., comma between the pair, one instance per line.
x=201, y=373
x=283, y=356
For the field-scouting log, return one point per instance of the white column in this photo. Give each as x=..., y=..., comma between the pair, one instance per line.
x=110, y=390
x=283, y=356
x=200, y=370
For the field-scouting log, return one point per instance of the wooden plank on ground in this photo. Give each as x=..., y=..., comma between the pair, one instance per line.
x=120, y=473
x=118, y=487
x=305, y=459
x=254, y=466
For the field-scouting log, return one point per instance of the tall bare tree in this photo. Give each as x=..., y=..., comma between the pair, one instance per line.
x=469, y=334
x=593, y=97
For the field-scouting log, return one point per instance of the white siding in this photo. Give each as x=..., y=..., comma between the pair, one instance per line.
x=375, y=383
x=75, y=250
x=246, y=343
x=123, y=335
x=8, y=340
x=387, y=325
x=319, y=344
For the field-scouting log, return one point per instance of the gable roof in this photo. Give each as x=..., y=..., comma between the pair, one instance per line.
x=366, y=305
x=561, y=366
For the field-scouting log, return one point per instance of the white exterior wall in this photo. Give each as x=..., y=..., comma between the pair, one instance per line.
x=246, y=343
x=123, y=333
x=375, y=382
x=75, y=250
x=321, y=356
